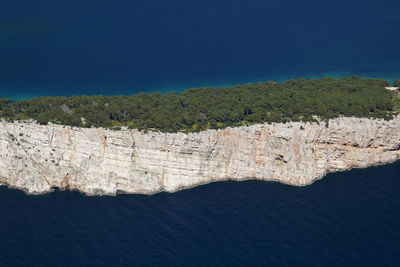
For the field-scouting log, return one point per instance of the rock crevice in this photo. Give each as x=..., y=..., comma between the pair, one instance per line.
x=38, y=158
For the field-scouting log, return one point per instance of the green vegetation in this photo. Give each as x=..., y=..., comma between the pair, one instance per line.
x=204, y=108
x=396, y=83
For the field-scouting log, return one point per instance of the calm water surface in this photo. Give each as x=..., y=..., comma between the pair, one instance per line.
x=70, y=47
x=346, y=219
x=123, y=47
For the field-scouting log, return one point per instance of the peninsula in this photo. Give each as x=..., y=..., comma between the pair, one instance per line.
x=293, y=132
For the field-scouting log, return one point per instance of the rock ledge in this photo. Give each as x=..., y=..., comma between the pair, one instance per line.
x=37, y=158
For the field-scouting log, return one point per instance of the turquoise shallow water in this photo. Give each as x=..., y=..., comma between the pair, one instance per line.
x=74, y=47
x=123, y=47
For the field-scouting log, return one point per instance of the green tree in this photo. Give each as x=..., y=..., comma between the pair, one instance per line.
x=204, y=108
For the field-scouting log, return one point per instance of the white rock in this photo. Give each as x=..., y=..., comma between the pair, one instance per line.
x=95, y=161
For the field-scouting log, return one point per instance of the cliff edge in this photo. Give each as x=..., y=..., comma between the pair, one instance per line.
x=95, y=161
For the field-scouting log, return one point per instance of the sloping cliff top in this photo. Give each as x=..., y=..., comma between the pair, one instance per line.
x=199, y=109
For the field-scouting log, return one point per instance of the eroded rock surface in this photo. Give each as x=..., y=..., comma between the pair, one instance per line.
x=95, y=161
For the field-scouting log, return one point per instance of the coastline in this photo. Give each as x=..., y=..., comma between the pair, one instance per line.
x=168, y=87
x=96, y=161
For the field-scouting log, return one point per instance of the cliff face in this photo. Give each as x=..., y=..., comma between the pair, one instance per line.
x=39, y=158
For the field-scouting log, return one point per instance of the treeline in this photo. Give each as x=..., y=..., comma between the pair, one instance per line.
x=205, y=108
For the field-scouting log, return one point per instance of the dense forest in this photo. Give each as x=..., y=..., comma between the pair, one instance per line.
x=205, y=108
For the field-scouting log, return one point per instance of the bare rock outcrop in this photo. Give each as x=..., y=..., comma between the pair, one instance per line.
x=38, y=158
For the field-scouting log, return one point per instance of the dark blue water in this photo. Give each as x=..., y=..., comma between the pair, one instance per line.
x=346, y=219
x=52, y=47
x=122, y=47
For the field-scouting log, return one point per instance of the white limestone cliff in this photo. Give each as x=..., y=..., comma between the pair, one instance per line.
x=95, y=161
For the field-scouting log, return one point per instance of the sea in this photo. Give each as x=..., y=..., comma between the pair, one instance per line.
x=345, y=219
x=107, y=47
x=64, y=48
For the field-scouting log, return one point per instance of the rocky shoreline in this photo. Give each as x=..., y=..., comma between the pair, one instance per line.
x=39, y=158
